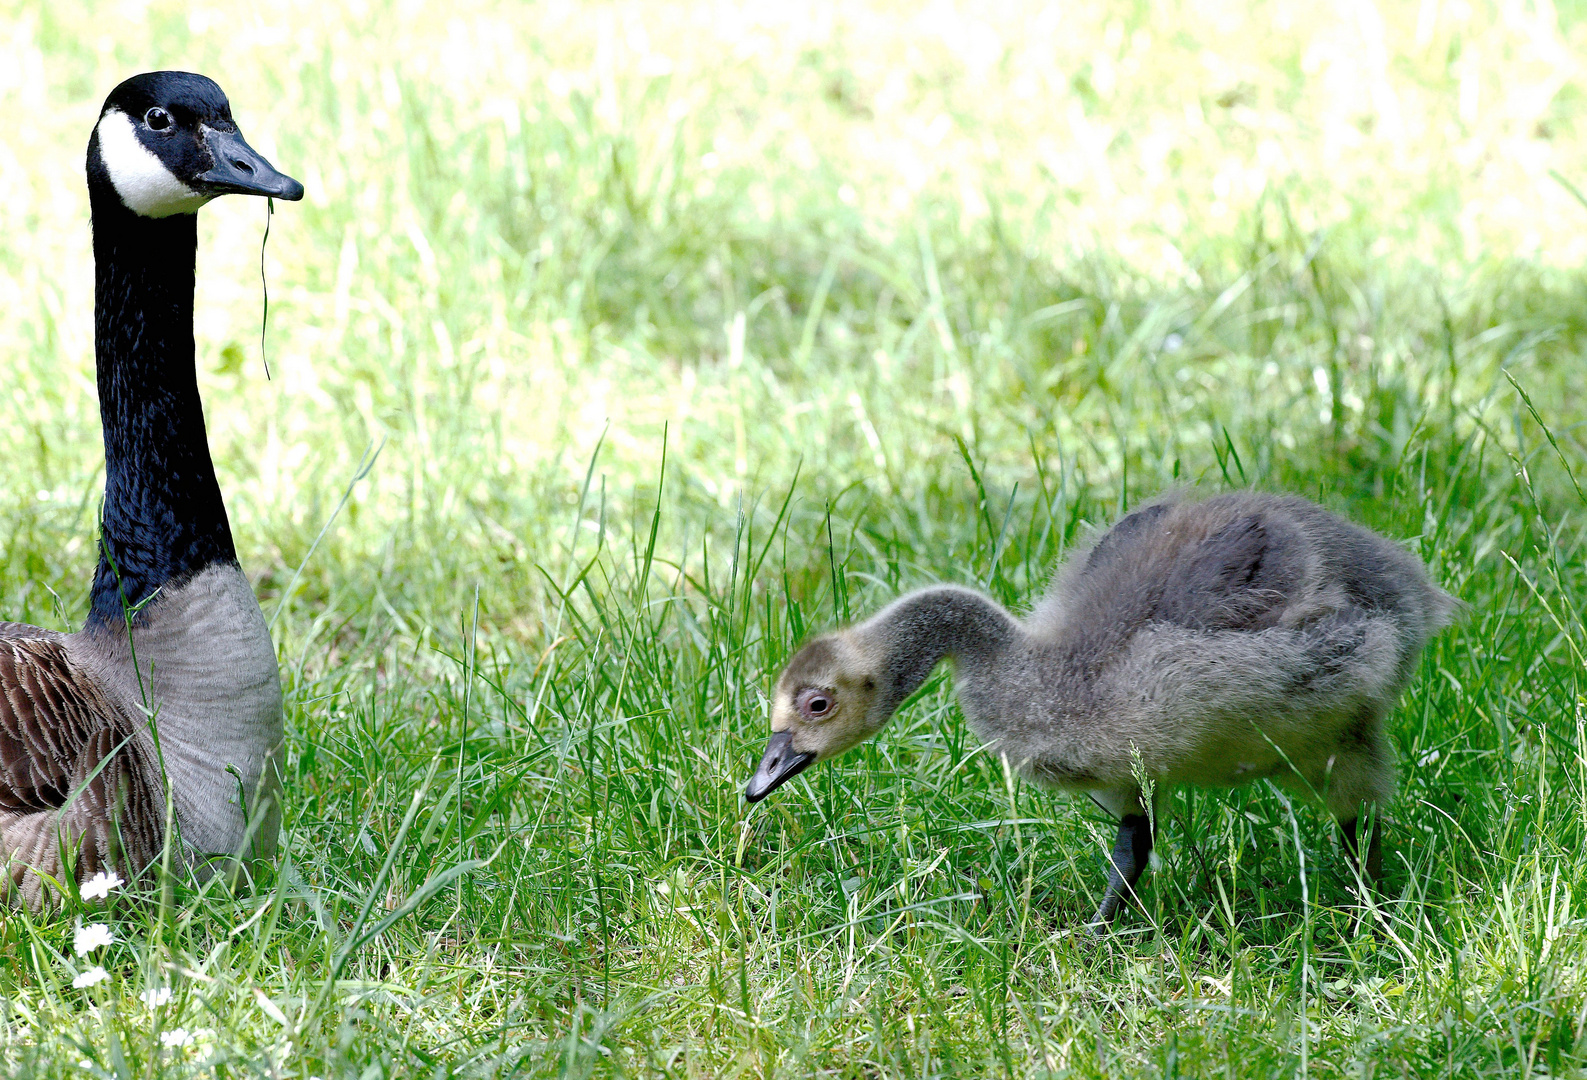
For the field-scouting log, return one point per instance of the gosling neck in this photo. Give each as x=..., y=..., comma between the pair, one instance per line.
x=916, y=632
x=163, y=518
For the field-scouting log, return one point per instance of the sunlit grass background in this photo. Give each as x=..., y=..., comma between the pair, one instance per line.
x=682, y=330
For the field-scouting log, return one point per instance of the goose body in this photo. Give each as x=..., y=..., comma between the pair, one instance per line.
x=171, y=686
x=1212, y=643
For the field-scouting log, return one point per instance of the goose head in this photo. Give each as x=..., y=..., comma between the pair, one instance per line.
x=826, y=701
x=166, y=144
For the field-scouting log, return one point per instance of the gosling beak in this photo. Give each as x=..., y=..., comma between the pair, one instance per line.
x=239, y=169
x=780, y=764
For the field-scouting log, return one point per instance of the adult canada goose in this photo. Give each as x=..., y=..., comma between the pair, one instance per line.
x=173, y=677
x=1214, y=642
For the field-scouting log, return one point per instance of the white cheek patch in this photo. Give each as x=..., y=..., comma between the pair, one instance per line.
x=145, y=185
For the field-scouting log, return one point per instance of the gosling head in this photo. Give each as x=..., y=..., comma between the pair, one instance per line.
x=827, y=700
x=166, y=144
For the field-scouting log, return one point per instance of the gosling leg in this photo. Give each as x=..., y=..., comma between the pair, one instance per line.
x=1359, y=782
x=1130, y=854
x=1372, y=866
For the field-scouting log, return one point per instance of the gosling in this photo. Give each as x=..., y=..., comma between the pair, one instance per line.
x=1243, y=637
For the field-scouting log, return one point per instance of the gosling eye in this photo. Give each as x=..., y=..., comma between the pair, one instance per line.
x=815, y=703
x=157, y=119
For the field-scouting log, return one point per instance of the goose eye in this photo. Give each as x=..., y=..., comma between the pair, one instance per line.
x=157, y=119
x=816, y=704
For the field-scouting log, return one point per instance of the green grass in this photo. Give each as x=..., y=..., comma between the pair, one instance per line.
x=683, y=333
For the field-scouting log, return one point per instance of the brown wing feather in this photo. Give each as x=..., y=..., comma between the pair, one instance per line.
x=27, y=630
x=56, y=727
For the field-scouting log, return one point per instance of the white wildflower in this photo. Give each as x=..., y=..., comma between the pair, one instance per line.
x=175, y=1038
x=90, y=977
x=156, y=996
x=90, y=937
x=101, y=885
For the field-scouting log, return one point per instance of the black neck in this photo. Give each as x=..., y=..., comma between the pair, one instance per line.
x=919, y=630
x=163, y=516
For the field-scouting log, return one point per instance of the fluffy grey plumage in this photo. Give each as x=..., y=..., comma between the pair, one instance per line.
x=1215, y=643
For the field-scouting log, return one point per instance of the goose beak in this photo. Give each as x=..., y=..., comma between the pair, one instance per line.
x=241, y=170
x=780, y=764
